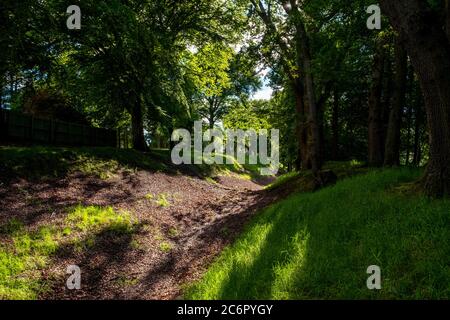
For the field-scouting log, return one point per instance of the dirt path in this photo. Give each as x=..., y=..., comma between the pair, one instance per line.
x=172, y=246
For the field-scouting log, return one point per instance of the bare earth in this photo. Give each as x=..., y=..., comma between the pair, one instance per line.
x=201, y=219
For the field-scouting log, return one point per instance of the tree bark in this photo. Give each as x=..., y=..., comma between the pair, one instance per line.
x=295, y=82
x=429, y=49
x=304, y=61
x=307, y=120
x=408, y=135
x=418, y=121
x=303, y=160
x=335, y=127
x=137, y=127
x=376, y=141
x=392, y=150
x=211, y=112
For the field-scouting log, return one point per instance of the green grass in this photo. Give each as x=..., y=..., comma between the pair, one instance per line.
x=301, y=180
x=37, y=162
x=162, y=200
x=19, y=259
x=165, y=247
x=43, y=161
x=284, y=179
x=319, y=245
x=173, y=232
x=125, y=281
x=26, y=253
x=93, y=218
x=244, y=171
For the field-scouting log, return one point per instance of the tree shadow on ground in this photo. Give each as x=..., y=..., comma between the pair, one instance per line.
x=102, y=257
x=197, y=247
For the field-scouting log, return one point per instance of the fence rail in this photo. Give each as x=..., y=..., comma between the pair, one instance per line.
x=18, y=127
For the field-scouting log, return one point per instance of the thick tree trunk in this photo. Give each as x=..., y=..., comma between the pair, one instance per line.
x=419, y=120
x=295, y=82
x=306, y=102
x=392, y=151
x=137, y=127
x=376, y=125
x=312, y=109
x=429, y=49
x=303, y=160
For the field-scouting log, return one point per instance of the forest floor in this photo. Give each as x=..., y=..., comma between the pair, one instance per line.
x=181, y=223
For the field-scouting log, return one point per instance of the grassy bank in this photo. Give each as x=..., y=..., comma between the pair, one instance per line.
x=52, y=162
x=25, y=254
x=319, y=245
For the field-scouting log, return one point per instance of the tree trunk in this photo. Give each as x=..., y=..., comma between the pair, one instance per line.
x=408, y=135
x=312, y=110
x=335, y=127
x=392, y=151
x=376, y=141
x=308, y=141
x=303, y=161
x=137, y=127
x=429, y=49
x=304, y=102
x=211, y=108
x=418, y=130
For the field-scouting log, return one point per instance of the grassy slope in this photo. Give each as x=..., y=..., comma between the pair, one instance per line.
x=301, y=181
x=27, y=253
x=319, y=245
x=38, y=162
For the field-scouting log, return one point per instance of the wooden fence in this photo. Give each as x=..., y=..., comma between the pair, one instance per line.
x=20, y=128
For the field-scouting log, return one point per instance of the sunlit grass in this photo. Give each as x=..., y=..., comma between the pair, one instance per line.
x=22, y=258
x=165, y=247
x=162, y=200
x=283, y=179
x=27, y=253
x=94, y=218
x=319, y=245
x=342, y=169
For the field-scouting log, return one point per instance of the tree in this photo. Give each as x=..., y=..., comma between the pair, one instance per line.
x=221, y=77
x=209, y=70
x=376, y=106
x=429, y=49
x=130, y=52
x=392, y=151
x=295, y=60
